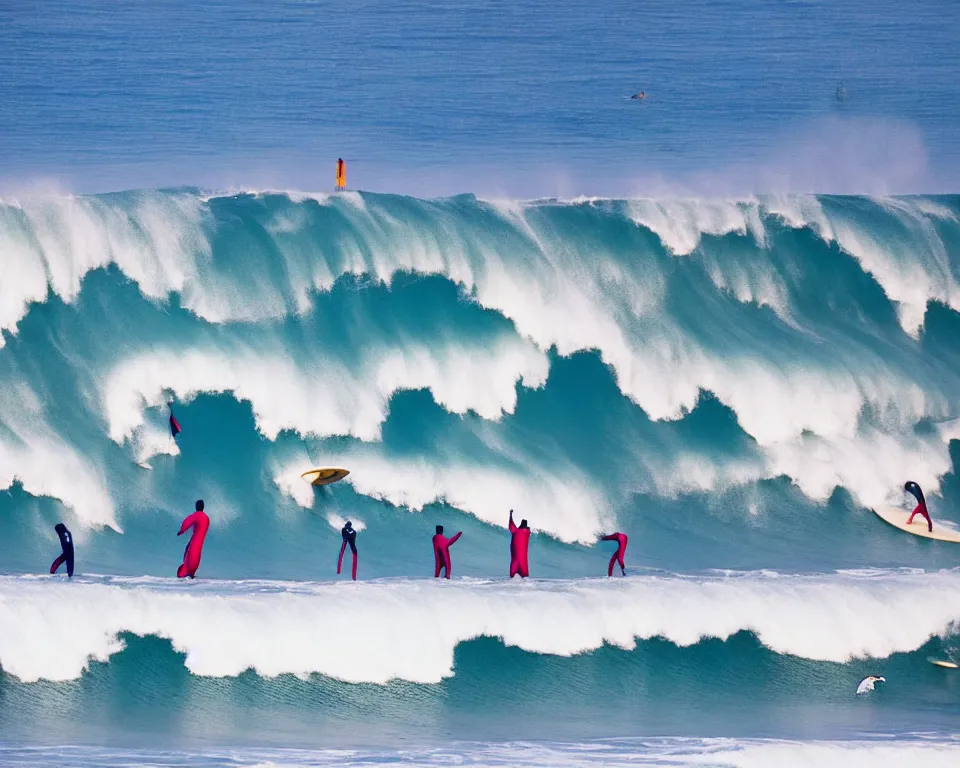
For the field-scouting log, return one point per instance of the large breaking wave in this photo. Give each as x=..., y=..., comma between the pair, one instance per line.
x=804, y=316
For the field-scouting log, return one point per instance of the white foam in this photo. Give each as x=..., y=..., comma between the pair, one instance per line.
x=409, y=629
x=45, y=464
x=872, y=466
x=322, y=397
x=557, y=499
x=681, y=223
x=909, y=260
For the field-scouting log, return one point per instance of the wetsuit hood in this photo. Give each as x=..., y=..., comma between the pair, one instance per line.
x=914, y=489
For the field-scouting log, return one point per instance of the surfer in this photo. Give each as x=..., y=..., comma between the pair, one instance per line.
x=639, y=96
x=66, y=546
x=191, y=555
x=341, y=174
x=349, y=537
x=921, y=508
x=621, y=539
x=519, y=541
x=441, y=551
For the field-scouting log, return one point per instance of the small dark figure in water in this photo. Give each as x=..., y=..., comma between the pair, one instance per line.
x=66, y=544
x=349, y=537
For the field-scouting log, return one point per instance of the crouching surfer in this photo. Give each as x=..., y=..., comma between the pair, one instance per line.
x=441, y=551
x=621, y=539
x=191, y=555
x=349, y=537
x=519, y=542
x=921, y=508
x=66, y=547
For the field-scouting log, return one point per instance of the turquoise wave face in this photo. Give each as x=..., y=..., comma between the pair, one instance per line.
x=722, y=380
x=731, y=383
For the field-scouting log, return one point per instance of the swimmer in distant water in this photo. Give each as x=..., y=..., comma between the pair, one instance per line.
x=621, y=539
x=639, y=96
x=841, y=93
x=866, y=685
x=921, y=508
x=349, y=537
x=66, y=545
x=519, y=541
x=441, y=551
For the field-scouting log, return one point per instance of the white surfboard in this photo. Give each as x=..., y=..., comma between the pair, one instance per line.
x=942, y=529
x=944, y=663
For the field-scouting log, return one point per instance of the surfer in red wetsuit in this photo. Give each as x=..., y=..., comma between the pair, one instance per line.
x=921, y=508
x=519, y=541
x=191, y=555
x=441, y=551
x=621, y=539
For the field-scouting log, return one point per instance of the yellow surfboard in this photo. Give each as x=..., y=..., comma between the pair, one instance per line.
x=324, y=476
x=942, y=530
x=943, y=663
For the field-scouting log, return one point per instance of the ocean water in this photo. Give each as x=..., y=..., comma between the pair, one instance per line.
x=725, y=321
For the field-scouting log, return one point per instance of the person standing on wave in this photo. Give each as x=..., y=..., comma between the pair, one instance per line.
x=441, y=551
x=621, y=539
x=519, y=542
x=66, y=546
x=349, y=537
x=921, y=508
x=191, y=555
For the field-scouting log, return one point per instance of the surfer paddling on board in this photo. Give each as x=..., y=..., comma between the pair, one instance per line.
x=349, y=537
x=441, y=551
x=921, y=508
x=519, y=542
x=191, y=555
x=621, y=539
x=66, y=546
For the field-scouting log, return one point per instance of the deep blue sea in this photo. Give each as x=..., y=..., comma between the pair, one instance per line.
x=724, y=320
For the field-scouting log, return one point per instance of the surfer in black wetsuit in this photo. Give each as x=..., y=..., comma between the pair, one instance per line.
x=349, y=537
x=66, y=544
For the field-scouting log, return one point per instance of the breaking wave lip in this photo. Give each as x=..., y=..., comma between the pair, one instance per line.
x=29, y=447
x=161, y=241
x=409, y=629
x=323, y=398
x=562, y=500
